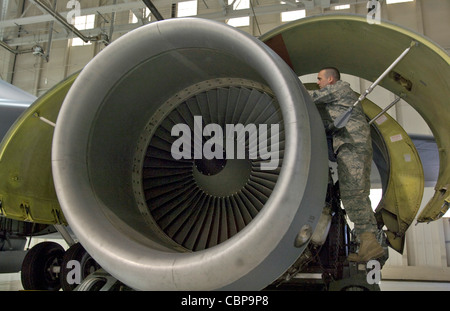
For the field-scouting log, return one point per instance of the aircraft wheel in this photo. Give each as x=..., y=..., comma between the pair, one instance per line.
x=41, y=267
x=83, y=261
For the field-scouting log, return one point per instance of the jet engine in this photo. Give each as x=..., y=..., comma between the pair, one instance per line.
x=164, y=211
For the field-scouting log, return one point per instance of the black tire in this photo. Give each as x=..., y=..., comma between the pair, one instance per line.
x=37, y=267
x=87, y=265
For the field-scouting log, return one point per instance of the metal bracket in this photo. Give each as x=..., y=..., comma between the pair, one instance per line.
x=65, y=234
x=36, y=114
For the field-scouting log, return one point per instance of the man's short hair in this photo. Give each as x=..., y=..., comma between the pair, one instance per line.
x=334, y=72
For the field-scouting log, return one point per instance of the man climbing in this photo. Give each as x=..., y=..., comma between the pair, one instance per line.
x=352, y=145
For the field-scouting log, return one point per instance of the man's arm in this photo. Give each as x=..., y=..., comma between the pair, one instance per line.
x=322, y=96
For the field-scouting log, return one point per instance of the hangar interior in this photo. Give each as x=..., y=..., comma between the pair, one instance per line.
x=39, y=50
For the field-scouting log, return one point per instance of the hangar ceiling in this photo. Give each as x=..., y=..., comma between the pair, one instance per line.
x=25, y=23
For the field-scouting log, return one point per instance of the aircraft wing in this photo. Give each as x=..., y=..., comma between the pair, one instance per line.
x=13, y=101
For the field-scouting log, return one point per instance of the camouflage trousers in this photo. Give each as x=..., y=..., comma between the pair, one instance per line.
x=354, y=165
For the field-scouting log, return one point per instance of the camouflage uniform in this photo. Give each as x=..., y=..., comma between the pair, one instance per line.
x=353, y=147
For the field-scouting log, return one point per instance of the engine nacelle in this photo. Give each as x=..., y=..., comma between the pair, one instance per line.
x=156, y=220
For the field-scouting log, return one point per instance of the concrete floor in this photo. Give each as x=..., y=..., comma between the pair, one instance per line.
x=413, y=286
x=11, y=282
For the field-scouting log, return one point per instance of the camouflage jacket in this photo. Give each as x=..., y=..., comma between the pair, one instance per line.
x=332, y=101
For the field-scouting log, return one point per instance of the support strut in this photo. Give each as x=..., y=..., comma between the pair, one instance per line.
x=342, y=120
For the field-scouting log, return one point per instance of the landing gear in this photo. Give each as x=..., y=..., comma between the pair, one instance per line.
x=41, y=267
x=101, y=280
x=48, y=267
x=83, y=262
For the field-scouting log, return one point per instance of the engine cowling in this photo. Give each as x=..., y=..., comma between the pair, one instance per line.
x=158, y=223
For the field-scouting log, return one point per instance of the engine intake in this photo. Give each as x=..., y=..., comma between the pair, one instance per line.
x=159, y=221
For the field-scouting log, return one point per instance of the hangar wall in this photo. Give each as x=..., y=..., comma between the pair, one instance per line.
x=427, y=254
